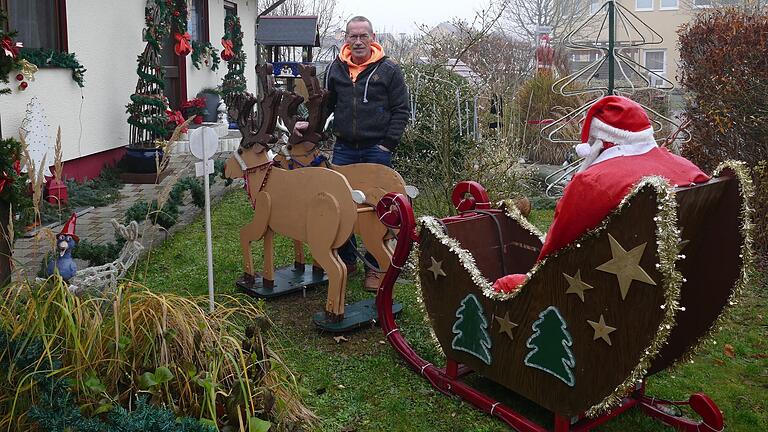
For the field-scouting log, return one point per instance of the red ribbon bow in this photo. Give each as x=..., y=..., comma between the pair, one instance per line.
x=11, y=49
x=5, y=180
x=227, y=54
x=182, y=47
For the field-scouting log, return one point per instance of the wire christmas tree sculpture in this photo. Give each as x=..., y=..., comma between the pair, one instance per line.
x=147, y=111
x=616, y=33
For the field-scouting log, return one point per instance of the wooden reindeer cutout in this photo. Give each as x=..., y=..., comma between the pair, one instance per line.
x=312, y=205
x=374, y=180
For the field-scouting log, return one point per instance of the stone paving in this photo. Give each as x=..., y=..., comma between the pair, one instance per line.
x=95, y=225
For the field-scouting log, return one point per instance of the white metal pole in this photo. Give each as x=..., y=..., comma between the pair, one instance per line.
x=208, y=242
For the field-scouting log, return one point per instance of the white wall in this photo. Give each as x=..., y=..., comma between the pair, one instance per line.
x=106, y=37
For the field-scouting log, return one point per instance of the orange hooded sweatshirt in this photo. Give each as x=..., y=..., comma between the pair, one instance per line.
x=377, y=52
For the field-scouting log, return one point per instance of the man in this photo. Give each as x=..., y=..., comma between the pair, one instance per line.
x=622, y=151
x=369, y=99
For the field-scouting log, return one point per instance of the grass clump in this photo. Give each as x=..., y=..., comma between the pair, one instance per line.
x=215, y=367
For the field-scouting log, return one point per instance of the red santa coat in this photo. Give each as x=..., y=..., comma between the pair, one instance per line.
x=594, y=193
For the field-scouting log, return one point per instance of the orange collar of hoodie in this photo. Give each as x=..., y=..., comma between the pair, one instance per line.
x=377, y=52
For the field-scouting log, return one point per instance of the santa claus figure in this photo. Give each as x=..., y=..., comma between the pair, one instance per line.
x=618, y=150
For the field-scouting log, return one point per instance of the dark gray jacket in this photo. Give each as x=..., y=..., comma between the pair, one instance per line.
x=371, y=111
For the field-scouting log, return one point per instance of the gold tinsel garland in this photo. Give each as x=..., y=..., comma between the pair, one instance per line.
x=668, y=248
x=512, y=212
x=668, y=251
x=746, y=189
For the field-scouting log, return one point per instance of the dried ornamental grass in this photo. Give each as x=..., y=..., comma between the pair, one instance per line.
x=211, y=366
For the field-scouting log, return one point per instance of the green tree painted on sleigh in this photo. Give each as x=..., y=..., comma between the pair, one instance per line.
x=551, y=344
x=471, y=330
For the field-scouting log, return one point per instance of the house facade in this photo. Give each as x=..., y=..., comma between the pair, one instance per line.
x=665, y=17
x=106, y=37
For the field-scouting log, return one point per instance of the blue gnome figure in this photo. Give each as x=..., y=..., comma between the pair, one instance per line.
x=65, y=242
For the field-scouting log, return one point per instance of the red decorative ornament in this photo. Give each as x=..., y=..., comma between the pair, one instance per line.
x=228, y=54
x=5, y=179
x=176, y=13
x=182, y=47
x=10, y=48
x=19, y=77
x=23, y=85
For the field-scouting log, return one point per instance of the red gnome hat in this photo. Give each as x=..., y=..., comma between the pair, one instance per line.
x=69, y=228
x=614, y=121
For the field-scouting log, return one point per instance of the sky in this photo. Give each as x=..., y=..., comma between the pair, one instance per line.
x=398, y=16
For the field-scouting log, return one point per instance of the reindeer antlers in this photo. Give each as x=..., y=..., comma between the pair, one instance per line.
x=316, y=105
x=287, y=111
x=257, y=127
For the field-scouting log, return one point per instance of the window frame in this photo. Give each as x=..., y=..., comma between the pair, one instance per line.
x=663, y=71
x=675, y=7
x=639, y=9
x=60, y=11
x=230, y=5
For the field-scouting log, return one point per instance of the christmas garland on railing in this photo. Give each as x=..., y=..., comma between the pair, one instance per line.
x=49, y=58
x=233, y=54
x=206, y=53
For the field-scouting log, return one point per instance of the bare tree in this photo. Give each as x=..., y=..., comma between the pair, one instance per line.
x=525, y=18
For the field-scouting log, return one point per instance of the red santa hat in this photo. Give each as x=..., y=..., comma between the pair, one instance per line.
x=69, y=228
x=611, y=121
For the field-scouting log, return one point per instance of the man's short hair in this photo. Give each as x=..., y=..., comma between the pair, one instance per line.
x=359, y=18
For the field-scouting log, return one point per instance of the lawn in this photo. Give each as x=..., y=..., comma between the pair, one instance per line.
x=360, y=384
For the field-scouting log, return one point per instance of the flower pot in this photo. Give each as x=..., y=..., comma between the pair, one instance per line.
x=211, y=105
x=141, y=160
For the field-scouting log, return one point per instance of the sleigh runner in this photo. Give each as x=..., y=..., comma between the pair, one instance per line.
x=627, y=300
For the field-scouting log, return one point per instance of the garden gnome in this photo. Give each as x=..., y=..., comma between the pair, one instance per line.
x=618, y=150
x=65, y=242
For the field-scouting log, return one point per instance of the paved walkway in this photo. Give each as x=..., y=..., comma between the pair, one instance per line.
x=95, y=225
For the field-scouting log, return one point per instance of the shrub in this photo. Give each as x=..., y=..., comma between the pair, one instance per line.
x=537, y=103
x=723, y=56
x=437, y=151
x=215, y=366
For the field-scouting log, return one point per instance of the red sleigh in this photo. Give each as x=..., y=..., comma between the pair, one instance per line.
x=627, y=300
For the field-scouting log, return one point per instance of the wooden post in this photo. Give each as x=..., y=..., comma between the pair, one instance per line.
x=5, y=244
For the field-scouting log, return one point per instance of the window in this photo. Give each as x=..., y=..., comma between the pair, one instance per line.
x=668, y=4
x=40, y=23
x=198, y=20
x=594, y=6
x=230, y=8
x=656, y=62
x=702, y=3
x=643, y=5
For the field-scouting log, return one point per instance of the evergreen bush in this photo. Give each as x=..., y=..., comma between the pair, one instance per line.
x=723, y=56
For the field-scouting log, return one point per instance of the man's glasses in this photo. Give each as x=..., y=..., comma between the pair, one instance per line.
x=362, y=37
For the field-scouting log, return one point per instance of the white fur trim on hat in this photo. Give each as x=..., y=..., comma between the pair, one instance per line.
x=605, y=132
x=582, y=149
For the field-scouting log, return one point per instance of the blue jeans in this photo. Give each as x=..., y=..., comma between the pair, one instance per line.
x=346, y=155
